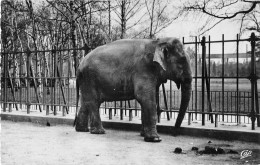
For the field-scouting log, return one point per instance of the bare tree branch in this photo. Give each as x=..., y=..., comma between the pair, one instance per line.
x=204, y=10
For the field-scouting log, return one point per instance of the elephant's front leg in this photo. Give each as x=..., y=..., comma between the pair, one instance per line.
x=145, y=95
x=157, y=108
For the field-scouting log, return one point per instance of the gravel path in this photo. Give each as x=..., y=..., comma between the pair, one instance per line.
x=28, y=143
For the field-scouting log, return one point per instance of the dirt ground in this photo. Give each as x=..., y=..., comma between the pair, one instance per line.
x=28, y=143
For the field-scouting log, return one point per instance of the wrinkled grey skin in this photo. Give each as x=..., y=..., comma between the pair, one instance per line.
x=131, y=69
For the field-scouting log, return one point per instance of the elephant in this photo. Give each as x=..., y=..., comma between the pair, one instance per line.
x=129, y=69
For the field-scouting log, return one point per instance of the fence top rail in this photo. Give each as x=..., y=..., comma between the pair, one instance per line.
x=221, y=41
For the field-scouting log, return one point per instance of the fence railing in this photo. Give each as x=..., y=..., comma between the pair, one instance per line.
x=45, y=81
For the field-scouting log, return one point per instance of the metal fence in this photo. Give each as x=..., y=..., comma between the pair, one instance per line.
x=45, y=81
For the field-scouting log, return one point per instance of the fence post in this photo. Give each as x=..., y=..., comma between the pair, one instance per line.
x=203, y=77
x=64, y=110
x=115, y=108
x=237, y=80
x=20, y=77
x=55, y=81
x=110, y=113
x=196, y=77
x=130, y=115
x=189, y=118
x=47, y=110
x=223, y=73
x=121, y=111
x=28, y=81
x=165, y=103
x=10, y=107
x=216, y=119
x=253, y=79
x=5, y=80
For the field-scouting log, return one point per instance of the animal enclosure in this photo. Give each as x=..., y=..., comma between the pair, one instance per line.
x=44, y=80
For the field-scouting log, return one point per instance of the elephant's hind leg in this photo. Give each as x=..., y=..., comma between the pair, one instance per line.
x=96, y=126
x=82, y=119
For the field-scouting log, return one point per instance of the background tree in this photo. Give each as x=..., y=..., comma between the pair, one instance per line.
x=159, y=15
x=128, y=14
x=245, y=12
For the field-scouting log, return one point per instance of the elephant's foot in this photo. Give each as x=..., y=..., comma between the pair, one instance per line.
x=151, y=136
x=152, y=139
x=81, y=129
x=97, y=130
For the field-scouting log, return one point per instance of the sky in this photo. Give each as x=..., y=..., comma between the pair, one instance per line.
x=188, y=26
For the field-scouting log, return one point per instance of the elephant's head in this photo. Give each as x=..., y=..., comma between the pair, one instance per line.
x=170, y=54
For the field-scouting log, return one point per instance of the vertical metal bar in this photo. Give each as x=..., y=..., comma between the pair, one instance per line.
x=130, y=115
x=28, y=81
x=227, y=100
x=10, y=107
x=253, y=80
x=135, y=108
x=51, y=80
x=55, y=81
x=64, y=110
x=192, y=101
x=208, y=78
x=165, y=102
x=129, y=103
x=12, y=90
x=121, y=110
x=257, y=105
x=125, y=108
x=216, y=120
x=44, y=82
x=5, y=80
x=170, y=98
x=115, y=107
x=105, y=107
x=20, y=78
x=189, y=118
x=237, y=78
x=219, y=101
x=215, y=100
x=60, y=75
x=68, y=78
x=110, y=113
x=196, y=77
x=203, y=77
x=223, y=67
x=231, y=102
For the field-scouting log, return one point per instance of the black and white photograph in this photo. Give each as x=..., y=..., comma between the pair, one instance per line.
x=130, y=82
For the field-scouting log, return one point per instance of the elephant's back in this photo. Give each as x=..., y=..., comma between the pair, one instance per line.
x=121, y=52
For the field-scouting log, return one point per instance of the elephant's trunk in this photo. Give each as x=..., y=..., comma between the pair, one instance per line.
x=185, y=99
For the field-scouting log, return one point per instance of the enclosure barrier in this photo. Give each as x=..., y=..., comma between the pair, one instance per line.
x=44, y=80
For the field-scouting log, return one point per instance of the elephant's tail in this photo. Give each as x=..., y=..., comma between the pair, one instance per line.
x=77, y=102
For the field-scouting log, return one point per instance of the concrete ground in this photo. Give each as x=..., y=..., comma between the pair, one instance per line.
x=29, y=143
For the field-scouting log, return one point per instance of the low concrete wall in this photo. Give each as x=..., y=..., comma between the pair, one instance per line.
x=248, y=136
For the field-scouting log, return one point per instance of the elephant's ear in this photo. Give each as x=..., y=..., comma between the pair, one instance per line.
x=159, y=55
